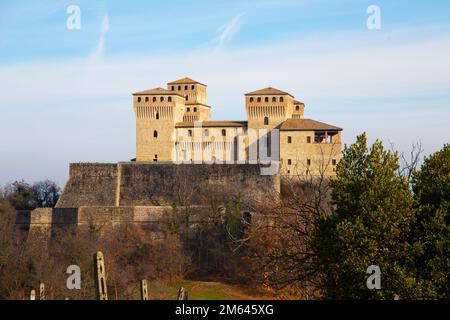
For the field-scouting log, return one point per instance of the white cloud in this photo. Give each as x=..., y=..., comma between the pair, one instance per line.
x=100, y=46
x=227, y=31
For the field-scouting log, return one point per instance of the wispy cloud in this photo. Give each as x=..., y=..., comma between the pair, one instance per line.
x=100, y=47
x=228, y=30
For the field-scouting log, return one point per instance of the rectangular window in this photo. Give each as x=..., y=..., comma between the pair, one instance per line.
x=206, y=133
x=224, y=132
x=195, y=109
x=308, y=139
x=190, y=133
x=188, y=109
x=319, y=137
x=334, y=162
x=289, y=139
x=308, y=162
x=289, y=162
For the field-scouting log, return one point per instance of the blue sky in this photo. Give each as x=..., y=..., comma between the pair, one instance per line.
x=65, y=94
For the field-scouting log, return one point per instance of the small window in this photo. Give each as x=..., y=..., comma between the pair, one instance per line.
x=289, y=171
x=192, y=87
x=188, y=109
x=173, y=88
x=259, y=99
x=190, y=133
x=195, y=109
x=157, y=116
x=154, y=99
x=146, y=99
x=281, y=99
x=289, y=139
x=266, y=120
x=289, y=162
x=169, y=99
x=308, y=162
x=139, y=99
x=224, y=132
x=179, y=87
x=308, y=139
x=185, y=87
x=251, y=99
x=334, y=162
x=186, y=97
x=161, y=99
x=155, y=158
x=266, y=99
x=274, y=99
x=206, y=132
x=155, y=134
x=297, y=108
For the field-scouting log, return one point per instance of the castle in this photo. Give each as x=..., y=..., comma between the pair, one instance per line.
x=184, y=159
x=174, y=125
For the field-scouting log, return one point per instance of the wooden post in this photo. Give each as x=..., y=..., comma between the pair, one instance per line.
x=182, y=294
x=41, y=291
x=33, y=295
x=144, y=291
x=100, y=277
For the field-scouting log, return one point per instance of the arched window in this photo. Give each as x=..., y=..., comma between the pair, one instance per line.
x=274, y=99
x=251, y=99
x=266, y=120
x=169, y=99
x=173, y=88
x=139, y=99
x=192, y=87
x=195, y=109
x=185, y=87
x=161, y=99
x=155, y=134
x=146, y=99
x=224, y=132
x=259, y=99
x=266, y=99
x=157, y=115
x=186, y=97
x=281, y=99
x=179, y=87
x=154, y=99
x=297, y=108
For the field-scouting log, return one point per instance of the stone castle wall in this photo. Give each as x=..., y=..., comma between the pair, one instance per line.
x=163, y=184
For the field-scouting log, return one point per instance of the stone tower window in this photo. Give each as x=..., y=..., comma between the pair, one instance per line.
x=169, y=99
x=281, y=99
x=157, y=116
x=139, y=99
x=146, y=99
x=266, y=120
x=224, y=133
x=154, y=99
x=161, y=99
x=251, y=99
x=289, y=139
x=155, y=134
x=259, y=99
x=274, y=99
x=266, y=99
